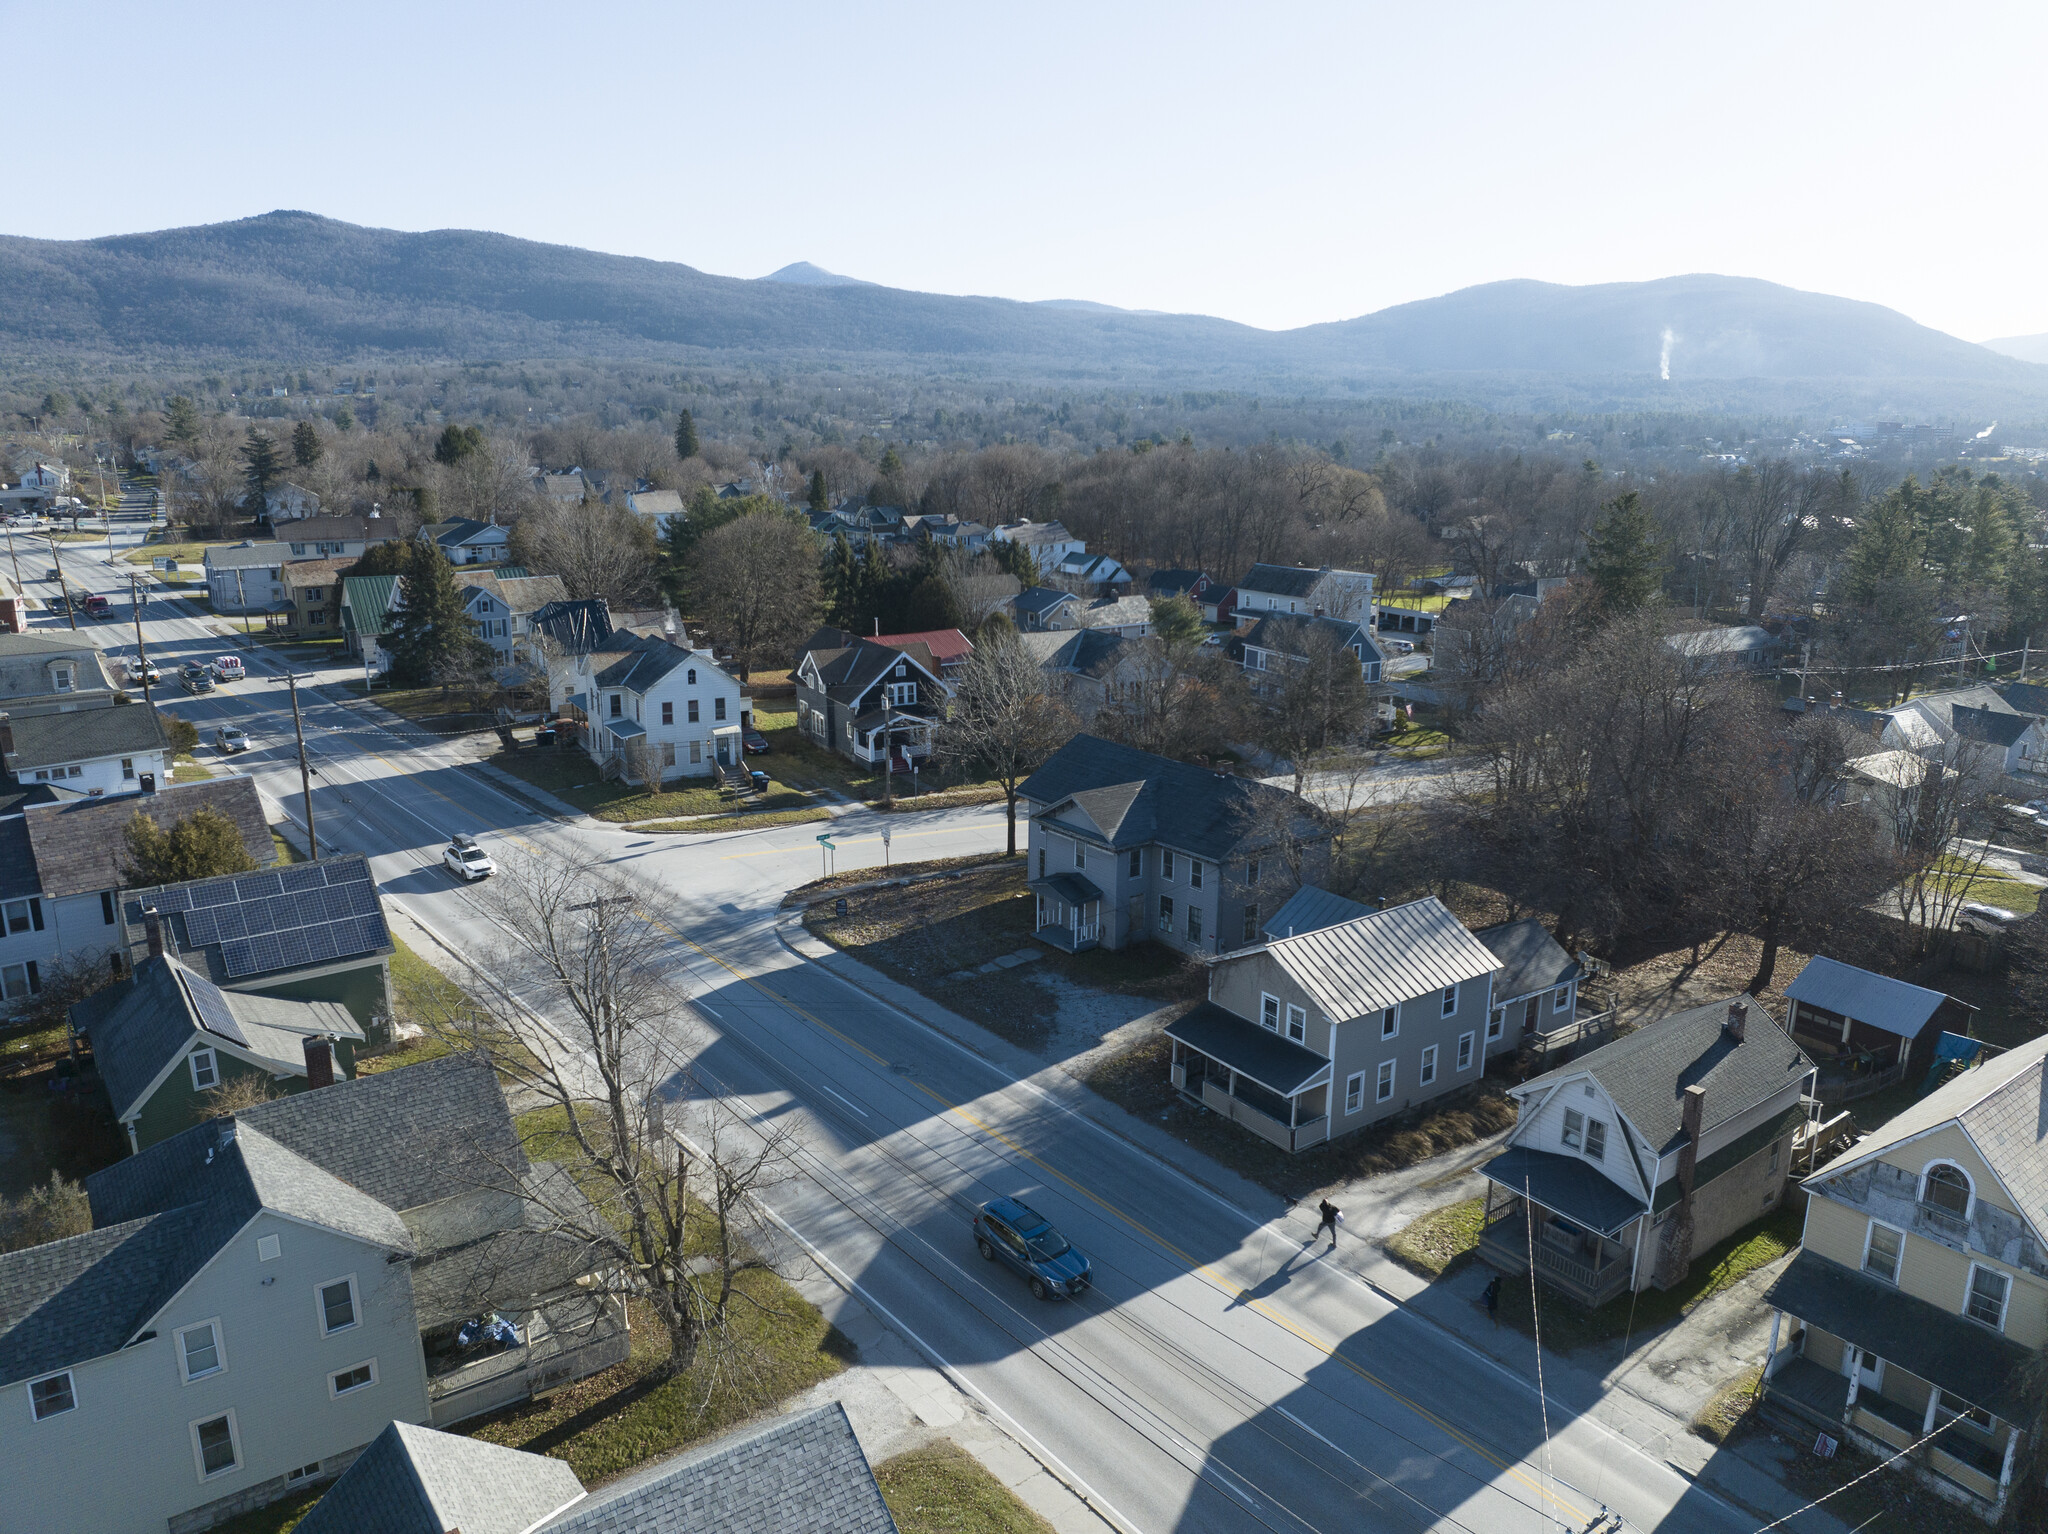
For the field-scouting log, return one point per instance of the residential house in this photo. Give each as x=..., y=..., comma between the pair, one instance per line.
x=166, y=1036
x=2026, y=698
x=50, y=673
x=289, y=503
x=61, y=878
x=1724, y=647
x=500, y=606
x=1192, y=584
x=262, y=1295
x=1310, y=909
x=313, y=587
x=1128, y=616
x=1919, y=1297
x=948, y=647
x=1046, y=609
x=1126, y=846
x=465, y=541
x=247, y=577
x=872, y=703
x=1640, y=1155
x=1293, y=589
x=1094, y=573
x=657, y=508
x=564, y=488
x=1866, y=1031
x=803, y=1473
x=1281, y=642
x=2015, y=743
x=109, y=748
x=1308, y=1038
x=367, y=602
x=570, y=628
x=1536, y=989
x=948, y=530
x=1091, y=669
x=1927, y=725
x=1049, y=542
x=337, y=537
x=1888, y=786
x=659, y=708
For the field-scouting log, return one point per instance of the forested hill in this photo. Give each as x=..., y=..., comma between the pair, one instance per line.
x=294, y=287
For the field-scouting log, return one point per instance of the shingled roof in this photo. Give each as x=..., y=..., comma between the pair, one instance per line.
x=79, y=847
x=415, y=1480
x=84, y=735
x=1281, y=580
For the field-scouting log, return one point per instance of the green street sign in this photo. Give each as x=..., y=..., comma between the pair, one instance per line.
x=825, y=841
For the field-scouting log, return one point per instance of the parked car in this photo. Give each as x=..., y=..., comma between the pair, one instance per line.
x=755, y=742
x=229, y=668
x=1397, y=646
x=195, y=678
x=466, y=859
x=230, y=740
x=1020, y=1236
x=1987, y=919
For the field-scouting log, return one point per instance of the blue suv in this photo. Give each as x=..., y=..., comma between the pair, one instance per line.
x=1026, y=1240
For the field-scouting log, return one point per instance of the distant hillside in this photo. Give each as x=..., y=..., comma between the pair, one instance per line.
x=294, y=287
x=2026, y=348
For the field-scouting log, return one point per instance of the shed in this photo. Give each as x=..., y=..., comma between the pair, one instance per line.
x=1855, y=1022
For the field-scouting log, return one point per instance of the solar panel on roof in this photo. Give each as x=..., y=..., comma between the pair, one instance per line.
x=212, y=1006
x=199, y=929
x=347, y=873
x=166, y=900
x=228, y=922
x=362, y=899
x=305, y=876
x=296, y=947
x=320, y=943
x=258, y=886
x=216, y=892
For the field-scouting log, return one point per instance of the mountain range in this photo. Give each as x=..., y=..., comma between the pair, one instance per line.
x=294, y=286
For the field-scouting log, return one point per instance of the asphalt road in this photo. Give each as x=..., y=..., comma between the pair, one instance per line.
x=1220, y=1375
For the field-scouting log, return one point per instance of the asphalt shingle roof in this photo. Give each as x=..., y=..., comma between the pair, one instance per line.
x=25, y=667
x=1205, y=813
x=84, y=735
x=414, y=1480
x=1646, y=1072
x=253, y=555
x=644, y=660
x=1280, y=580
x=1288, y=634
x=1277, y=1064
x=849, y=664
x=801, y=1474
x=1566, y=1185
x=1530, y=959
x=1989, y=727
x=2027, y=698
x=79, y=847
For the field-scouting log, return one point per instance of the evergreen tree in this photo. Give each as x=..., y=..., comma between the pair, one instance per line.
x=457, y=443
x=262, y=468
x=817, y=500
x=892, y=463
x=428, y=632
x=344, y=419
x=1623, y=558
x=181, y=420
x=686, y=436
x=1016, y=559
x=842, y=584
x=305, y=445
x=201, y=846
x=1177, y=622
x=1889, y=547
x=874, y=590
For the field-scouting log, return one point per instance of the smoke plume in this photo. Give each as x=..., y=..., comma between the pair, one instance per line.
x=1664, y=358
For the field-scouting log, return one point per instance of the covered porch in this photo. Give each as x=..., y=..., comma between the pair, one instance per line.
x=901, y=737
x=1069, y=912
x=1584, y=1227
x=1277, y=1089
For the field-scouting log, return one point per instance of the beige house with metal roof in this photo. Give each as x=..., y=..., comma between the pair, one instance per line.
x=1920, y=1292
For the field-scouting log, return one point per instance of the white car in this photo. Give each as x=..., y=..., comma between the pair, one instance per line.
x=467, y=860
x=230, y=740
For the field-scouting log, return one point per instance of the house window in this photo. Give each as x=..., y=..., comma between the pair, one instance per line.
x=1041, y=862
x=1464, y=1051
x=668, y=753
x=52, y=1396
x=1269, y=1013
x=693, y=715
x=107, y=907
x=1385, y=1089
x=1251, y=924
x=618, y=705
x=1562, y=1000
x=901, y=669
x=337, y=1305
x=1596, y=1139
x=1574, y=1128
x=718, y=708
x=1881, y=1250
x=1251, y=872
x=1947, y=1188
x=1496, y=1022
x=1450, y=1000
x=302, y=1473
x=1080, y=853
x=693, y=676
x=696, y=752
x=199, y=1351
x=267, y=1248
x=1429, y=1065
x=1988, y=1291
x=205, y=1070
x=128, y=768
x=1137, y=862
x=902, y=694
x=24, y=915
x=20, y=981
x=320, y=620
x=1194, y=873
x=668, y=713
x=1166, y=913
x=214, y=1446
x=1354, y=1091
x=1166, y=864
x=1194, y=922
x=63, y=675
x=1390, y=1022
x=360, y=1377
x=1297, y=1024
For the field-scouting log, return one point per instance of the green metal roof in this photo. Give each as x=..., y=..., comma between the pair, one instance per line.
x=366, y=599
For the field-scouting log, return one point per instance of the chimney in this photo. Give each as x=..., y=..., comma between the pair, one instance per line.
x=1738, y=1020
x=153, y=924
x=1674, y=1261
x=319, y=1063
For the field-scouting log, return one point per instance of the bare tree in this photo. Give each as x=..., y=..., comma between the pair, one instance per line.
x=597, y=550
x=1316, y=702
x=754, y=581
x=235, y=1094
x=1773, y=513
x=1935, y=814
x=1005, y=721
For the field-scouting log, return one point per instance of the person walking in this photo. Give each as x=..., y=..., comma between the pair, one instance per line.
x=1331, y=1215
x=1493, y=1299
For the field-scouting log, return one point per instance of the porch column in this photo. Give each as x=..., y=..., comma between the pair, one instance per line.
x=1855, y=1379
x=1933, y=1400
x=1771, y=1353
x=2012, y=1443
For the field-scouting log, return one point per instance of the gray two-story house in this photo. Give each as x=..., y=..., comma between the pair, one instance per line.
x=872, y=703
x=1127, y=846
x=1311, y=1037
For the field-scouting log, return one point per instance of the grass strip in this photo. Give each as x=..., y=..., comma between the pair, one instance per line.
x=942, y=1489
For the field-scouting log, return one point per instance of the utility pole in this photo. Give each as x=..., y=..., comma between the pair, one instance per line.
x=291, y=680
x=141, y=655
x=16, y=557
x=1805, y=661
x=63, y=587
x=888, y=749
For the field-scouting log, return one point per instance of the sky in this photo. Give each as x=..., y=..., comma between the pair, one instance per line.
x=1278, y=165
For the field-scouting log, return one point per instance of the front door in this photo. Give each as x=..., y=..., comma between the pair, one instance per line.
x=1529, y=1015
x=725, y=750
x=1867, y=1369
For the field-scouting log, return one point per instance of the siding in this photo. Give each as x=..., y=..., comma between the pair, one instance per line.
x=1949, y=1143
x=1422, y=1023
x=1543, y=1130
x=1929, y=1270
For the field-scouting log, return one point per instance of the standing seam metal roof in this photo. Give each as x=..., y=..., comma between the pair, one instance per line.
x=1878, y=1000
x=1384, y=959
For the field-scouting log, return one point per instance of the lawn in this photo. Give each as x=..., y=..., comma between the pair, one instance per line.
x=425, y=998
x=186, y=768
x=1438, y=1244
x=1988, y=888
x=712, y=824
x=818, y=889
x=43, y=1129
x=942, y=1489
x=572, y=777
x=1415, y=603
x=423, y=706
x=181, y=552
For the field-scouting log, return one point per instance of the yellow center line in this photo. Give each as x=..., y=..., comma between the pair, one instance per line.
x=858, y=841
x=1203, y=1270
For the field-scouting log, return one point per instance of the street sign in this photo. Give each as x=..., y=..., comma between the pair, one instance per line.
x=825, y=841
x=885, y=836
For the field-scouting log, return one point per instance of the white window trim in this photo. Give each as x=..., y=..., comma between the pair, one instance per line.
x=1970, y=1208
x=1384, y=1088
x=1496, y=1023
x=1299, y=1014
x=1354, y=1092
x=1468, y=1050
x=267, y=1248
x=1574, y=1139
x=2004, y=1305
x=1390, y=1015
x=1450, y=998
x=1427, y=1074
x=234, y=1442
x=220, y=1351
x=1562, y=1000
x=1863, y=1266
x=355, y=1300
x=212, y=1064
x=60, y=1374
x=1268, y=1002
x=334, y=1393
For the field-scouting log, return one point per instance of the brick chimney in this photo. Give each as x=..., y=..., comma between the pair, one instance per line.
x=1674, y=1259
x=1738, y=1021
x=319, y=1063
x=153, y=924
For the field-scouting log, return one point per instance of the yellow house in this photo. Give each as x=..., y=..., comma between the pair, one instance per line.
x=1921, y=1287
